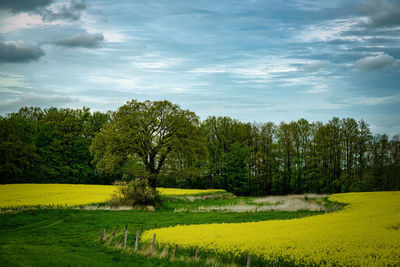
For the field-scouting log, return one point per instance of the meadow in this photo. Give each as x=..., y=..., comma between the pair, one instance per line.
x=365, y=232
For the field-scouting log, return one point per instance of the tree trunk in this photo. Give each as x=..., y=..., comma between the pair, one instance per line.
x=152, y=179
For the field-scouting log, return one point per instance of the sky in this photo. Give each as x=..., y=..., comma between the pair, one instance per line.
x=251, y=60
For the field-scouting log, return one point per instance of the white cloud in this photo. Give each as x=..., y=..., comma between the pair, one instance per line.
x=313, y=66
x=372, y=101
x=330, y=30
x=261, y=68
x=111, y=35
x=12, y=80
x=152, y=65
x=372, y=63
x=317, y=89
x=216, y=69
x=114, y=82
x=9, y=22
x=35, y=100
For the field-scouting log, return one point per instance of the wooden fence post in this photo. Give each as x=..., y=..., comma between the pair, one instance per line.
x=102, y=235
x=137, y=241
x=120, y=241
x=195, y=254
x=176, y=248
x=153, y=242
x=248, y=260
x=112, y=236
x=126, y=236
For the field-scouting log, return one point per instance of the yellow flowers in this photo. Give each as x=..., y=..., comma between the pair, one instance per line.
x=176, y=191
x=12, y=195
x=57, y=194
x=366, y=232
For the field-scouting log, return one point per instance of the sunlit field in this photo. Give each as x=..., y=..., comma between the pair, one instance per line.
x=177, y=191
x=366, y=232
x=12, y=195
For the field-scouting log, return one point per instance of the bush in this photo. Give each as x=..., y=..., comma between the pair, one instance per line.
x=135, y=193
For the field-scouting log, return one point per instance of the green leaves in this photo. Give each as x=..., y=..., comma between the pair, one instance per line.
x=149, y=131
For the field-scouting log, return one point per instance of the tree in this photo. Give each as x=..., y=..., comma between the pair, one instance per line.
x=229, y=153
x=148, y=131
x=18, y=155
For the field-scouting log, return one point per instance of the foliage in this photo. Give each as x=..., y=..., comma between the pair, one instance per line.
x=170, y=147
x=146, y=131
x=18, y=154
x=49, y=145
x=364, y=233
x=134, y=193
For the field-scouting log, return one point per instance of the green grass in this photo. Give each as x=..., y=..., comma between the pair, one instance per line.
x=69, y=237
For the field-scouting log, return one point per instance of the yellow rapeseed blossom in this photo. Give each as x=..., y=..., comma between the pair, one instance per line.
x=366, y=233
x=177, y=191
x=12, y=195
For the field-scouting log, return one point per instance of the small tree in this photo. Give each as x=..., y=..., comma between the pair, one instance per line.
x=137, y=192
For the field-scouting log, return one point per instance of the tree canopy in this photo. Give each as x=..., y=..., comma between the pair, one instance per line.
x=145, y=131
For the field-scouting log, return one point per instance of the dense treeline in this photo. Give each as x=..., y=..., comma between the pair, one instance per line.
x=257, y=159
x=159, y=141
x=49, y=146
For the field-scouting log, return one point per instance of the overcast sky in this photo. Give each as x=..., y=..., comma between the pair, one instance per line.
x=255, y=61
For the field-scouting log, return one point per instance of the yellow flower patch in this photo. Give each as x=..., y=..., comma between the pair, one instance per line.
x=366, y=232
x=177, y=191
x=12, y=195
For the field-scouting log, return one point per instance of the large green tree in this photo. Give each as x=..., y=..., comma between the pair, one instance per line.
x=145, y=133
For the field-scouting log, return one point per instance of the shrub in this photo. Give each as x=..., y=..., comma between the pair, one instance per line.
x=134, y=193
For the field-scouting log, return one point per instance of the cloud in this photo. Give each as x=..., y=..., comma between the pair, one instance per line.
x=17, y=52
x=82, y=40
x=313, y=66
x=15, y=6
x=372, y=101
x=64, y=12
x=330, y=30
x=12, y=81
x=382, y=13
x=10, y=22
x=47, y=9
x=35, y=100
x=373, y=63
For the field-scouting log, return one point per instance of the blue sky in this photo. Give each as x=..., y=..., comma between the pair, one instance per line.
x=255, y=61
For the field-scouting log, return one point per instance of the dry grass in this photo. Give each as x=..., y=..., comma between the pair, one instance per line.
x=97, y=207
x=270, y=203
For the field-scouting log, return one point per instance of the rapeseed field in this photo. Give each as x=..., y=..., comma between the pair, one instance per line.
x=366, y=232
x=12, y=195
x=178, y=191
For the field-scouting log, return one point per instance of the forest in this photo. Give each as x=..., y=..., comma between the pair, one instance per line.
x=171, y=147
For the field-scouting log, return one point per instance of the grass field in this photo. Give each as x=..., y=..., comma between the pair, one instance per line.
x=366, y=232
x=69, y=237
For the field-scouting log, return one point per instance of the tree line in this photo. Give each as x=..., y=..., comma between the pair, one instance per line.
x=171, y=147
